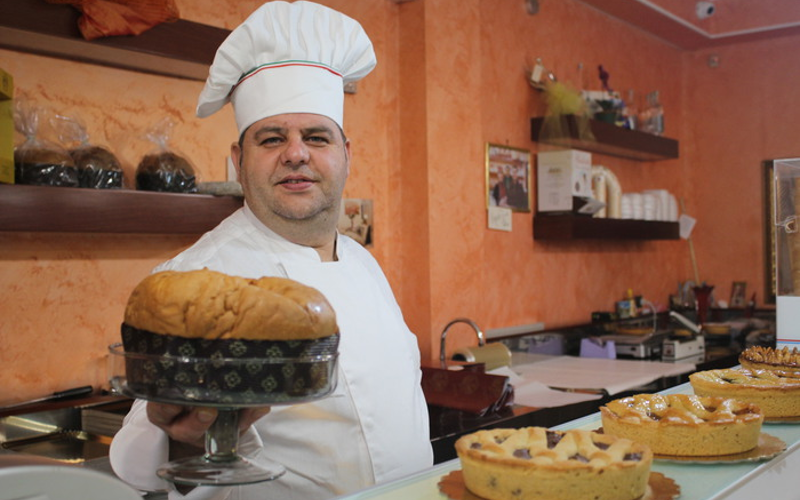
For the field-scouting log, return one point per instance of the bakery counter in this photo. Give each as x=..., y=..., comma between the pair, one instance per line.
x=775, y=478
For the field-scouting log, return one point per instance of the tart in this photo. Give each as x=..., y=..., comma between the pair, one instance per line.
x=769, y=358
x=684, y=425
x=776, y=393
x=534, y=463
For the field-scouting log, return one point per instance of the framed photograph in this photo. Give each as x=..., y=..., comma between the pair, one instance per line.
x=355, y=220
x=508, y=177
x=738, y=294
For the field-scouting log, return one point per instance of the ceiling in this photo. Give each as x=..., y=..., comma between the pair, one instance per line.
x=733, y=21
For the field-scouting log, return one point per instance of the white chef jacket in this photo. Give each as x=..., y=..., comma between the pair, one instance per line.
x=373, y=428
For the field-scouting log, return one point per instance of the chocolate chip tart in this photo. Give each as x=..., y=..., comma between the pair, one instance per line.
x=684, y=425
x=534, y=463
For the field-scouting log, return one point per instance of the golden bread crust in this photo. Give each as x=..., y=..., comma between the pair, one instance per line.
x=213, y=305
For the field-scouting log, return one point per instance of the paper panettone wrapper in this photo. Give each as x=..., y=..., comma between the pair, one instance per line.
x=228, y=371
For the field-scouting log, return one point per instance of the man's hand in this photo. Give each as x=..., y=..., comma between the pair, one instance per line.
x=188, y=424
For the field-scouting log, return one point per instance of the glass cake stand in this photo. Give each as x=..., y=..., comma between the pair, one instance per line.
x=229, y=385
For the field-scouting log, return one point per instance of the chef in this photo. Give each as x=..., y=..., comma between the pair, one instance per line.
x=283, y=71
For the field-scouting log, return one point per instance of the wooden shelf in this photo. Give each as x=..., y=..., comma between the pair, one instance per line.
x=78, y=210
x=608, y=139
x=576, y=227
x=182, y=49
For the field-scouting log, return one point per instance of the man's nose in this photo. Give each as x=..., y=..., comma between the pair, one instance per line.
x=296, y=152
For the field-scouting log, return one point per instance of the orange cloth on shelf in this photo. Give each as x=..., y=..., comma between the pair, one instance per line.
x=103, y=18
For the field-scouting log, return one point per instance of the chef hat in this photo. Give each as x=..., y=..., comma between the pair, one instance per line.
x=287, y=58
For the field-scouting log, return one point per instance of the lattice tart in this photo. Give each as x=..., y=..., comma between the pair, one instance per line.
x=776, y=393
x=684, y=425
x=769, y=358
x=534, y=463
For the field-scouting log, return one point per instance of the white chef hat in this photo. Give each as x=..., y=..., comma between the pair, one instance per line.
x=287, y=58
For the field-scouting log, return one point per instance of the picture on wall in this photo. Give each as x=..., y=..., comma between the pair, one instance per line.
x=508, y=177
x=355, y=220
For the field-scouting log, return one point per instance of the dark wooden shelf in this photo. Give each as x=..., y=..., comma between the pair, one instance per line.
x=182, y=49
x=608, y=139
x=576, y=227
x=78, y=210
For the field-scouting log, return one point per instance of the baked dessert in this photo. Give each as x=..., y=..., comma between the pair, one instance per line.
x=281, y=336
x=165, y=172
x=98, y=168
x=43, y=166
x=684, y=425
x=776, y=393
x=535, y=463
x=769, y=358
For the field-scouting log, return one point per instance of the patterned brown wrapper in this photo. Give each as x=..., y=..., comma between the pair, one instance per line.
x=253, y=372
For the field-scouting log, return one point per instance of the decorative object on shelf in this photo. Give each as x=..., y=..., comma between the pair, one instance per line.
x=540, y=77
x=508, y=173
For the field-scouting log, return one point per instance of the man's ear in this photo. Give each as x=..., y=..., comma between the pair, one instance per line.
x=236, y=158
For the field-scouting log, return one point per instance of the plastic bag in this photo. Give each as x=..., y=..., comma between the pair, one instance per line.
x=98, y=167
x=103, y=18
x=164, y=169
x=38, y=161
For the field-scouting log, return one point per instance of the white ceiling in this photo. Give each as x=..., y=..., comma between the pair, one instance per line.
x=733, y=21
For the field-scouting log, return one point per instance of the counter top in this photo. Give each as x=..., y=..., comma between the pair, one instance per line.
x=736, y=481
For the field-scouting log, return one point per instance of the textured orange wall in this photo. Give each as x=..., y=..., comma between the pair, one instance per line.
x=450, y=78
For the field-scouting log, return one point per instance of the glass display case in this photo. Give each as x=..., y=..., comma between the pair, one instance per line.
x=786, y=205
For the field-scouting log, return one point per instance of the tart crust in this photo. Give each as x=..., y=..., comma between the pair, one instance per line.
x=769, y=358
x=776, y=393
x=684, y=425
x=534, y=463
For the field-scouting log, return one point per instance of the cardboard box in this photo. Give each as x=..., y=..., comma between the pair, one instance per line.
x=6, y=127
x=562, y=176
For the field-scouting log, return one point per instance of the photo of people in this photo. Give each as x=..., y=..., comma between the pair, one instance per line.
x=508, y=177
x=355, y=220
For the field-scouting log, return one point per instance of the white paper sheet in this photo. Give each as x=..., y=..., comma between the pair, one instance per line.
x=529, y=374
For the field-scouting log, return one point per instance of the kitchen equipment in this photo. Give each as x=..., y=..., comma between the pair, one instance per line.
x=645, y=346
x=675, y=348
x=56, y=396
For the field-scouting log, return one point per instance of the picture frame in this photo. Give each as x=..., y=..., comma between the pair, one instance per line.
x=738, y=295
x=356, y=220
x=508, y=177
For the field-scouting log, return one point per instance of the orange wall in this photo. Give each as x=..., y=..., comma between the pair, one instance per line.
x=450, y=78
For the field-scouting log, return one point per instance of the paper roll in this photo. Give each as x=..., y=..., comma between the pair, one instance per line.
x=493, y=355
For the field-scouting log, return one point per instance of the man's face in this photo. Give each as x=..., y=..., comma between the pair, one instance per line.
x=293, y=167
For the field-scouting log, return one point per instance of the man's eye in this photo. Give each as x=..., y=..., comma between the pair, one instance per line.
x=267, y=141
x=317, y=139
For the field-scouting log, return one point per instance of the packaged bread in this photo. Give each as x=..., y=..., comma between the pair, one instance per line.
x=39, y=161
x=98, y=167
x=163, y=168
